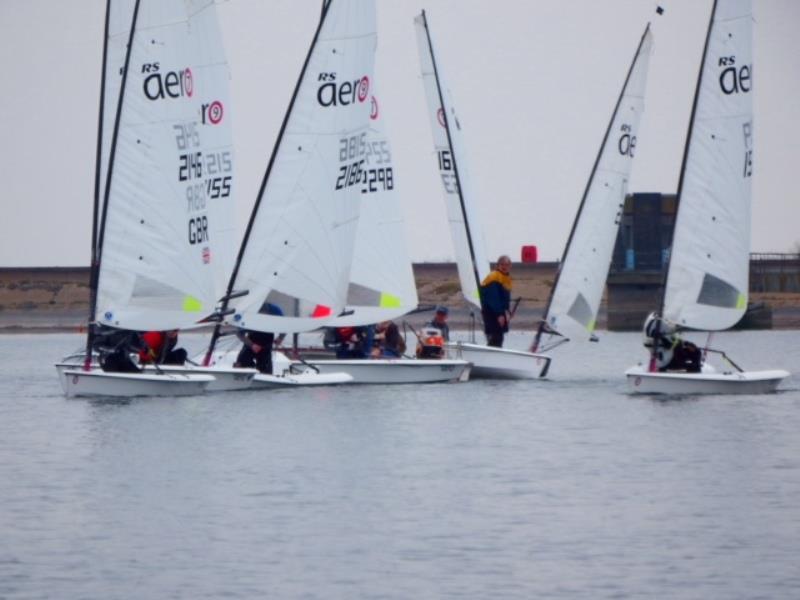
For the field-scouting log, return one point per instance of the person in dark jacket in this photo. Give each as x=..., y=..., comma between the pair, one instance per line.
x=257, y=345
x=496, y=302
x=114, y=347
x=439, y=322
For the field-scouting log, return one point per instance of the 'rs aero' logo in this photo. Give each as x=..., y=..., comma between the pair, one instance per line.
x=333, y=93
x=172, y=84
x=733, y=79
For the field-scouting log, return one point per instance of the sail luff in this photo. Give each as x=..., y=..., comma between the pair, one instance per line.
x=115, y=136
x=95, y=276
x=628, y=130
x=686, y=145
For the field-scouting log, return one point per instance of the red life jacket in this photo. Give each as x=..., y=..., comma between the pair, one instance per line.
x=154, y=343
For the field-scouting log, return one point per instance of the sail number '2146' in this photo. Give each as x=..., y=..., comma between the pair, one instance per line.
x=205, y=176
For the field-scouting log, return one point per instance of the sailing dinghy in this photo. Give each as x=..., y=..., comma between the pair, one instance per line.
x=471, y=258
x=298, y=245
x=162, y=186
x=571, y=311
x=382, y=285
x=707, y=275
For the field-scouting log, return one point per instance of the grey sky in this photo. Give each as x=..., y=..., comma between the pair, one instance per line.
x=534, y=82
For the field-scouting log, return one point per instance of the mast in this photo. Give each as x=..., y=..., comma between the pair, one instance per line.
x=98, y=229
x=453, y=157
x=680, y=184
x=234, y=274
x=543, y=322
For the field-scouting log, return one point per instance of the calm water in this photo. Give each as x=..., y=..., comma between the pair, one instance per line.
x=566, y=488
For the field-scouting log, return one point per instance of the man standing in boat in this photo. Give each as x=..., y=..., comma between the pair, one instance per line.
x=496, y=302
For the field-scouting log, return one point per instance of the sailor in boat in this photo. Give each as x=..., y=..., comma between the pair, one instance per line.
x=257, y=345
x=430, y=343
x=388, y=341
x=439, y=322
x=114, y=347
x=670, y=351
x=496, y=302
x=160, y=347
x=350, y=342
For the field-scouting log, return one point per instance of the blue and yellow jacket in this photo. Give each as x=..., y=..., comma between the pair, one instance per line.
x=496, y=293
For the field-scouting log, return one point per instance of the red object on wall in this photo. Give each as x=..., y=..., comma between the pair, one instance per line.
x=530, y=254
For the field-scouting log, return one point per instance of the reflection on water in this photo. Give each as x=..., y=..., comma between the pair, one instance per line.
x=566, y=488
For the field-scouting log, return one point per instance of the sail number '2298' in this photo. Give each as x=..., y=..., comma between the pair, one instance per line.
x=358, y=156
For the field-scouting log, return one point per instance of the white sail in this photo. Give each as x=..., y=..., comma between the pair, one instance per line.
x=120, y=20
x=707, y=282
x=579, y=287
x=382, y=284
x=462, y=211
x=299, y=245
x=168, y=223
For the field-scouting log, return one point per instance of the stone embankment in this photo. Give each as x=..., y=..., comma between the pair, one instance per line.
x=56, y=298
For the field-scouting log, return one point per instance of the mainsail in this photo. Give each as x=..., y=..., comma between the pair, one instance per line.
x=462, y=212
x=298, y=246
x=578, y=288
x=163, y=245
x=707, y=280
x=382, y=282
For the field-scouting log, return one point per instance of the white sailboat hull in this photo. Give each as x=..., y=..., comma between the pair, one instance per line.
x=226, y=379
x=641, y=381
x=489, y=362
x=306, y=378
x=397, y=370
x=80, y=383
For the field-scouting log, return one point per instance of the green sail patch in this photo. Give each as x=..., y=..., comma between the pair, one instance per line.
x=192, y=304
x=390, y=301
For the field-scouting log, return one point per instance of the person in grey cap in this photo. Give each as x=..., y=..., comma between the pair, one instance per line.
x=439, y=322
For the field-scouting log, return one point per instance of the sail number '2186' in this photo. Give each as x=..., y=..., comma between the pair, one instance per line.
x=358, y=156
